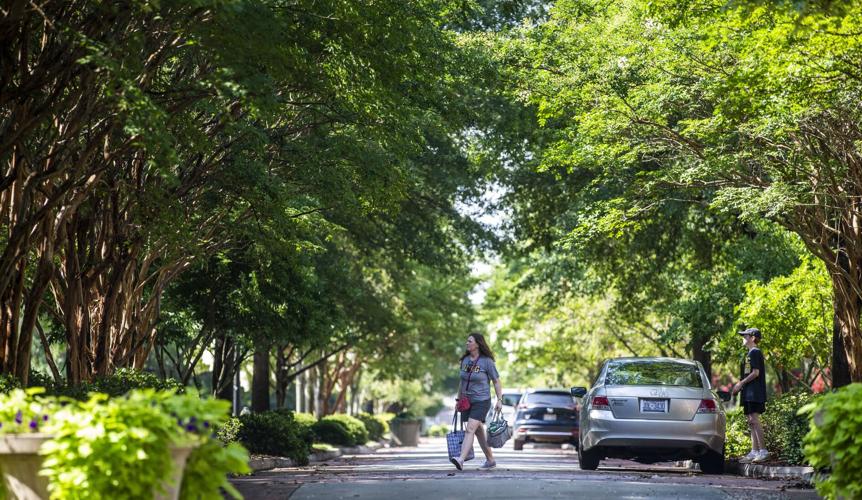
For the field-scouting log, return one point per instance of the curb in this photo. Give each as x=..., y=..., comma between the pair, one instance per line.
x=759, y=471
x=264, y=463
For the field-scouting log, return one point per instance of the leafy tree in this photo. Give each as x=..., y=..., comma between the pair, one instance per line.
x=747, y=109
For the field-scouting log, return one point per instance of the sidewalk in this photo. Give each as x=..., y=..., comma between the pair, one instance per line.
x=259, y=463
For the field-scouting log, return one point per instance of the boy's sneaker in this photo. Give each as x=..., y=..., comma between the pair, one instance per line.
x=488, y=465
x=749, y=458
x=457, y=463
x=762, y=455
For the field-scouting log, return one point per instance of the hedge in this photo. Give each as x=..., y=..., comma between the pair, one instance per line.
x=275, y=433
x=783, y=429
x=341, y=429
x=375, y=425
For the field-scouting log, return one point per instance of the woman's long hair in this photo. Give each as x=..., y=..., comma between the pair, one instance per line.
x=484, y=350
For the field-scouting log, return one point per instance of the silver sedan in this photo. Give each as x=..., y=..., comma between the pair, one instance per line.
x=652, y=410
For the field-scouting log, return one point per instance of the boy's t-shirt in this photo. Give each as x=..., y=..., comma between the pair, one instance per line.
x=483, y=372
x=755, y=390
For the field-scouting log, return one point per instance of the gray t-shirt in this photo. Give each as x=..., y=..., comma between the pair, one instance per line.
x=484, y=371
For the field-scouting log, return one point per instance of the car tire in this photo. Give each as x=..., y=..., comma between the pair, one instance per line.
x=588, y=459
x=712, y=463
x=518, y=445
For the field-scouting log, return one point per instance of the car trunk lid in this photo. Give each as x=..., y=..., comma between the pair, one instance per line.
x=654, y=402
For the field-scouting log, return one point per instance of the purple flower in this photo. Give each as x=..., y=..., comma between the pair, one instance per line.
x=206, y=424
x=191, y=428
x=34, y=425
x=19, y=417
x=44, y=418
x=193, y=419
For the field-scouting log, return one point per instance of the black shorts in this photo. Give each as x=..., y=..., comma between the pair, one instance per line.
x=749, y=407
x=478, y=410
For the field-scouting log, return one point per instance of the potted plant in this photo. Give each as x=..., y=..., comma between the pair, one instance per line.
x=404, y=429
x=23, y=422
x=126, y=447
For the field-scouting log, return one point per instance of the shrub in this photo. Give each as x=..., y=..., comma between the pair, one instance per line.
x=783, y=429
x=306, y=422
x=738, y=439
x=275, y=433
x=834, y=442
x=341, y=430
x=118, y=383
x=375, y=426
x=438, y=430
x=8, y=382
x=229, y=431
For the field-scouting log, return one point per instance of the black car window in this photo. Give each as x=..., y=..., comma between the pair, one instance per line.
x=511, y=399
x=653, y=373
x=556, y=399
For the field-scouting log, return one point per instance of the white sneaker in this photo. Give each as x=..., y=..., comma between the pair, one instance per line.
x=762, y=455
x=749, y=458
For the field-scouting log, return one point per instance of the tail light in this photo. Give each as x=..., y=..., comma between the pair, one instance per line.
x=601, y=403
x=521, y=429
x=707, y=406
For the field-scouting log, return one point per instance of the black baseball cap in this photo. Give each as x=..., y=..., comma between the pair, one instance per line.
x=754, y=332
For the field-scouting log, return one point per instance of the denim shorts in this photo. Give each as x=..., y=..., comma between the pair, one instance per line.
x=478, y=410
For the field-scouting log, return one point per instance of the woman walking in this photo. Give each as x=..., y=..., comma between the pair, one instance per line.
x=478, y=371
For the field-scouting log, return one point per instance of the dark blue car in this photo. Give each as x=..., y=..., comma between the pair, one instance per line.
x=546, y=416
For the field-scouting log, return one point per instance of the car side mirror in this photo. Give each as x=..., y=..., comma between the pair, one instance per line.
x=723, y=395
x=579, y=392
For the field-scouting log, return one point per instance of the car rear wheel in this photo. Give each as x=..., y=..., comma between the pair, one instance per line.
x=712, y=463
x=519, y=445
x=588, y=459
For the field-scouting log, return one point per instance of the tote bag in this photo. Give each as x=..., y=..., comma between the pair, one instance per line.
x=455, y=439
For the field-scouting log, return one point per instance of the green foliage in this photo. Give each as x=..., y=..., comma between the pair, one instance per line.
x=737, y=438
x=342, y=430
x=8, y=382
x=784, y=429
x=833, y=446
x=120, y=446
x=275, y=433
x=23, y=411
x=375, y=425
x=118, y=383
x=438, y=430
x=795, y=313
x=208, y=467
x=228, y=432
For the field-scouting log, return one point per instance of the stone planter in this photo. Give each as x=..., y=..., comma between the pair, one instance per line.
x=179, y=455
x=20, y=463
x=405, y=432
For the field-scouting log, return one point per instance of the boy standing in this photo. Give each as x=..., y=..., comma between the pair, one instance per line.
x=753, y=386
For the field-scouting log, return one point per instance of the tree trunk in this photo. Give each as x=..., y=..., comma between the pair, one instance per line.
x=846, y=348
x=260, y=380
x=699, y=354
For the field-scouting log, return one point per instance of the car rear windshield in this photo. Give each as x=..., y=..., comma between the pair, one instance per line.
x=653, y=373
x=556, y=399
x=511, y=399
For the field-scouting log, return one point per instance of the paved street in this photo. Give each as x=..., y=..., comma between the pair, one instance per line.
x=536, y=472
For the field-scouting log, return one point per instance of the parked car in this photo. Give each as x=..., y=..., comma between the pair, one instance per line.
x=546, y=416
x=652, y=410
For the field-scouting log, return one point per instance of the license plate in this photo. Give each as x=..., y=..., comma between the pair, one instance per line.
x=653, y=405
x=549, y=417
